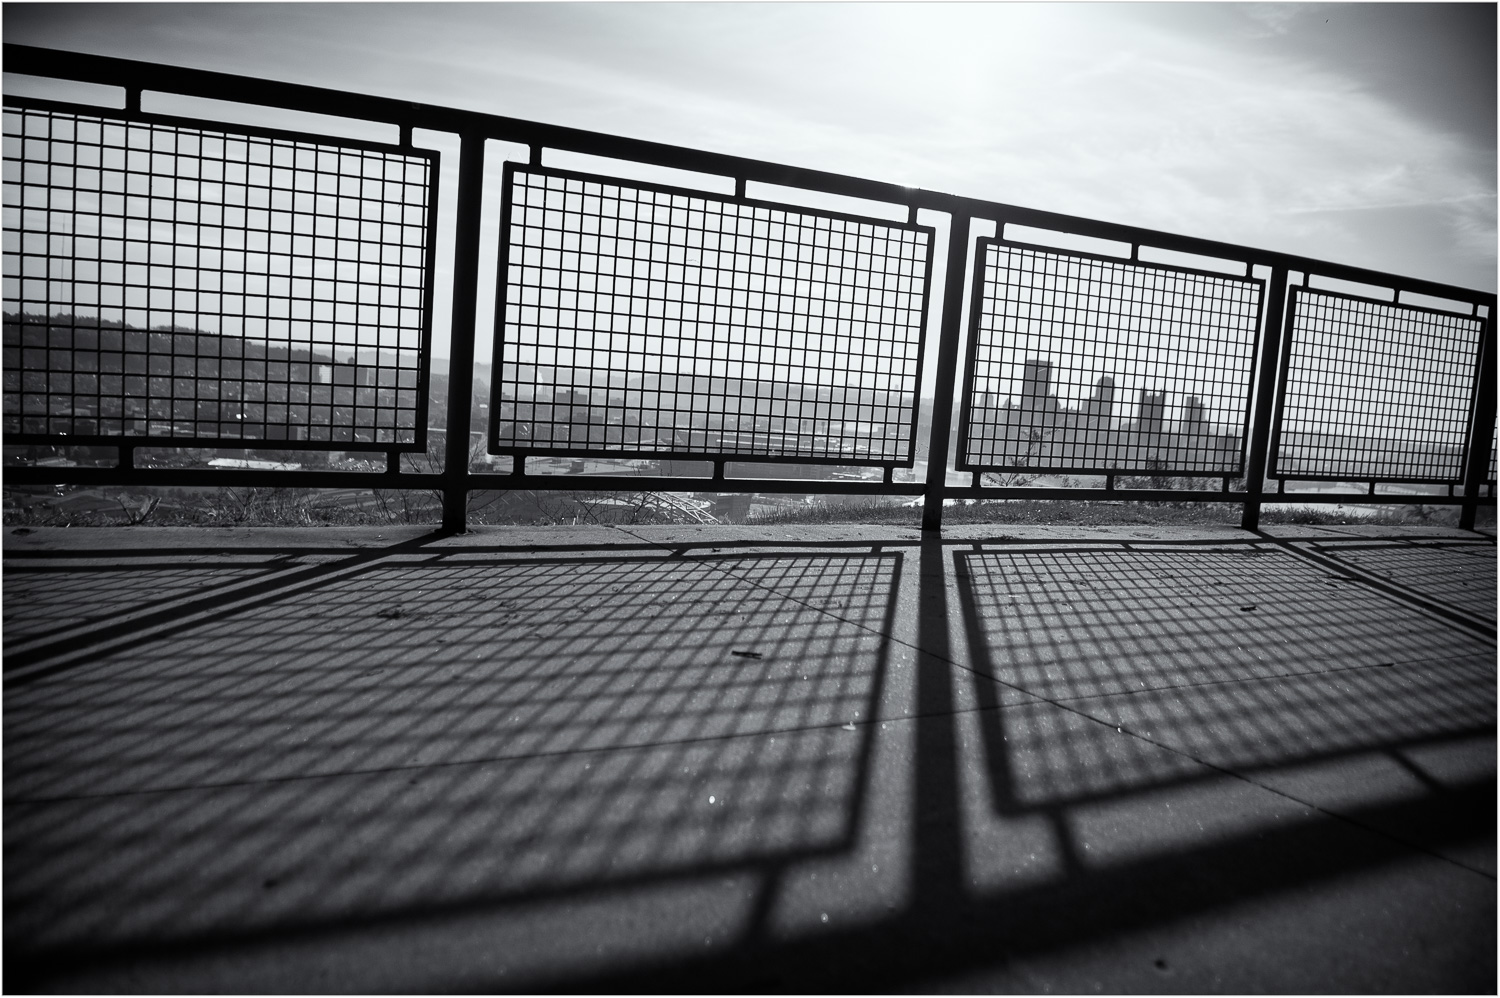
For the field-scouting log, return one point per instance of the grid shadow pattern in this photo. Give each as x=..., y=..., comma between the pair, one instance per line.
x=653, y=321
x=166, y=281
x=1208, y=651
x=40, y=602
x=1460, y=575
x=1374, y=392
x=1088, y=364
x=417, y=736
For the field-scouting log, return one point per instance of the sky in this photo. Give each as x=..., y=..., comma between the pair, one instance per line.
x=1358, y=133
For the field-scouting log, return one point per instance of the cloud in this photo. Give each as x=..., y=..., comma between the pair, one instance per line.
x=1223, y=121
x=1275, y=19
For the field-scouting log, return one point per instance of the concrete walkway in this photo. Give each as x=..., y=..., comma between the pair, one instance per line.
x=750, y=759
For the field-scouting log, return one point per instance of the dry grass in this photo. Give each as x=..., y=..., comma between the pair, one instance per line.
x=1082, y=513
x=307, y=508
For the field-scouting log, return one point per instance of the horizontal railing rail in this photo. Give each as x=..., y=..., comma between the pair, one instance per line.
x=1233, y=374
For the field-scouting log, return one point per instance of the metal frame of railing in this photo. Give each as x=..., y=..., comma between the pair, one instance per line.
x=750, y=257
x=1279, y=271
x=1090, y=309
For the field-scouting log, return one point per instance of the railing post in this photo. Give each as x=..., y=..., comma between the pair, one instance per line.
x=1482, y=427
x=947, y=371
x=1265, y=401
x=461, y=346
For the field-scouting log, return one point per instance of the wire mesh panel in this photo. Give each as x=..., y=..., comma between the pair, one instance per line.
x=1089, y=364
x=167, y=281
x=1374, y=392
x=636, y=319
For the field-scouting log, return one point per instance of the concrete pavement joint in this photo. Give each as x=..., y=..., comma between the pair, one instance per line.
x=455, y=763
x=1062, y=704
x=1239, y=681
x=1461, y=536
x=1428, y=607
x=1287, y=796
x=37, y=662
x=38, y=645
x=818, y=609
x=633, y=746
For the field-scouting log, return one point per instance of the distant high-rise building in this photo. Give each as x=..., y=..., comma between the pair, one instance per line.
x=1037, y=386
x=1194, y=416
x=1151, y=411
x=1100, y=407
x=1036, y=383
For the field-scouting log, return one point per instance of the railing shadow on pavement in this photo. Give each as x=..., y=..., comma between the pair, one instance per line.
x=56, y=605
x=432, y=733
x=1458, y=573
x=952, y=927
x=70, y=614
x=68, y=609
x=1224, y=656
x=435, y=737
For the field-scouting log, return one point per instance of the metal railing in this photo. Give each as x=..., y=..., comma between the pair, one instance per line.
x=645, y=321
x=176, y=281
x=174, y=284
x=1118, y=330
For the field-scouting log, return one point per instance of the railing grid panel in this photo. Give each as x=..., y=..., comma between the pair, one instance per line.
x=644, y=320
x=1374, y=391
x=166, y=281
x=1088, y=364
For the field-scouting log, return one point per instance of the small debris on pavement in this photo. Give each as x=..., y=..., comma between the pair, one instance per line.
x=747, y=654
